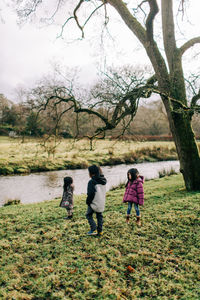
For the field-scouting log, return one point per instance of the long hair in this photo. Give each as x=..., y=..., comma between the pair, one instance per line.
x=67, y=182
x=133, y=172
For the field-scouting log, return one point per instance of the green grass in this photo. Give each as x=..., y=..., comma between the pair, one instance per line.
x=43, y=256
x=18, y=158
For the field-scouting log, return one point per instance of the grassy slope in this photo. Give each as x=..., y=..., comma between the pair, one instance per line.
x=43, y=256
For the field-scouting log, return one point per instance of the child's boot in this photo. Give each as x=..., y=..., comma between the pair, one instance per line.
x=138, y=221
x=68, y=217
x=127, y=219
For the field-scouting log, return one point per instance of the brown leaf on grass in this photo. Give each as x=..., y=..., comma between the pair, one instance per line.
x=130, y=269
x=50, y=269
x=87, y=256
x=73, y=271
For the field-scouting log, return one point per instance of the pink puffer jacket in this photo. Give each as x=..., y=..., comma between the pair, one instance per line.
x=134, y=191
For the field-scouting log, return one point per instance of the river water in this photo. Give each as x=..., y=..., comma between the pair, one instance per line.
x=38, y=187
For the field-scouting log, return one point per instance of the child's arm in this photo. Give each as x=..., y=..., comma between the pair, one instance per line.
x=90, y=192
x=140, y=193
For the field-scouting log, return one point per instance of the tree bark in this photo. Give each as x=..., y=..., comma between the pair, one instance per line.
x=179, y=120
x=187, y=149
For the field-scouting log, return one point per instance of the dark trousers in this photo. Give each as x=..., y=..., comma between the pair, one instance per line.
x=136, y=206
x=89, y=216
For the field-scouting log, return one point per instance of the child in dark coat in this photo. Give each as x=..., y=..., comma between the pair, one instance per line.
x=96, y=196
x=67, y=197
x=134, y=193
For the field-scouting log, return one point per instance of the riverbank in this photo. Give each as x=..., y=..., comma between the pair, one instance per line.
x=46, y=257
x=31, y=155
x=49, y=185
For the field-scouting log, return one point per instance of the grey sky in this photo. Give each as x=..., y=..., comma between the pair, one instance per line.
x=26, y=53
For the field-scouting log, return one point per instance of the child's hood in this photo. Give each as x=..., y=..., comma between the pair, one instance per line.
x=140, y=179
x=99, y=179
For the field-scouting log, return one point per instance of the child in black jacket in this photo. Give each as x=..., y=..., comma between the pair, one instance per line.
x=96, y=195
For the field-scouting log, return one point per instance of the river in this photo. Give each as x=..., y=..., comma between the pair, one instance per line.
x=38, y=187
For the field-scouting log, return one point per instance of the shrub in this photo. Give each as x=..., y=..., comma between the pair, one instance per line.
x=165, y=172
x=6, y=170
x=12, y=202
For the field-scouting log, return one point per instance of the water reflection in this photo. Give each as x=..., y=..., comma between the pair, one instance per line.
x=39, y=187
x=51, y=179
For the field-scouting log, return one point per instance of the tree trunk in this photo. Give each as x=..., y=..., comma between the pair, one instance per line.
x=179, y=120
x=187, y=149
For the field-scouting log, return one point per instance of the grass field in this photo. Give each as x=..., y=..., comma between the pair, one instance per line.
x=43, y=256
x=31, y=156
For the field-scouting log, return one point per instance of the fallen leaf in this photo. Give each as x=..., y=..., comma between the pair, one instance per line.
x=130, y=269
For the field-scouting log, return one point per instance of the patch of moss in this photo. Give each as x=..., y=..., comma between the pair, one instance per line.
x=6, y=170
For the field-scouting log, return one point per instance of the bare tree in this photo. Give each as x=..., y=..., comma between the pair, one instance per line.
x=111, y=102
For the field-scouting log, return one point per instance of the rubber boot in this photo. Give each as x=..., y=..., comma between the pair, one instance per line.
x=127, y=219
x=138, y=222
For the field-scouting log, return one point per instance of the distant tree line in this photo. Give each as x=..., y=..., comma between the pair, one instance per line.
x=24, y=119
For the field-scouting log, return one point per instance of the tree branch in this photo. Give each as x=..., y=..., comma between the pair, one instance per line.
x=55, y=12
x=168, y=32
x=189, y=44
x=150, y=46
x=93, y=13
x=149, y=22
x=92, y=112
x=195, y=99
x=129, y=19
x=63, y=26
x=75, y=17
x=31, y=8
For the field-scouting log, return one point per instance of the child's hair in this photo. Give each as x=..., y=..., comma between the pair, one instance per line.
x=133, y=173
x=100, y=171
x=67, y=182
x=93, y=170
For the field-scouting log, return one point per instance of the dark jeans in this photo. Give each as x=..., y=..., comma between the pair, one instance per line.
x=136, y=206
x=89, y=216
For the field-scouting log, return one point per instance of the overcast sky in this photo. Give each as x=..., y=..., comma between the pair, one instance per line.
x=27, y=52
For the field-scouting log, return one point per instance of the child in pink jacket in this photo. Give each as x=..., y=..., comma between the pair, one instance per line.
x=134, y=193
